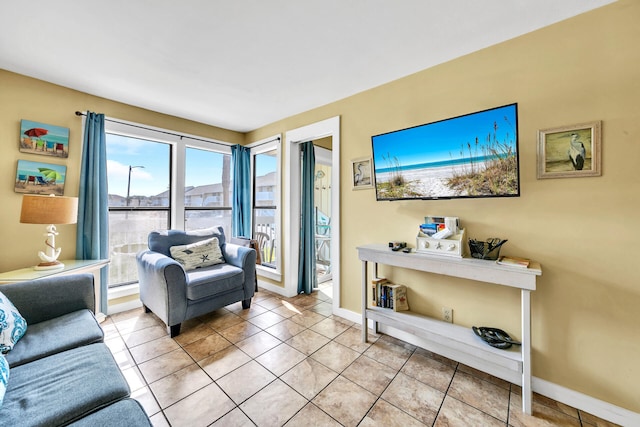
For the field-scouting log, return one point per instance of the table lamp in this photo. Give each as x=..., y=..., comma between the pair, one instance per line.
x=49, y=210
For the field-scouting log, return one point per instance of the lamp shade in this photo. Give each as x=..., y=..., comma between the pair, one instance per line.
x=49, y=210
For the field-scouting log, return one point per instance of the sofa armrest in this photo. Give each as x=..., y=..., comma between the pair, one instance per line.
x=51, y=297
x=163, y=286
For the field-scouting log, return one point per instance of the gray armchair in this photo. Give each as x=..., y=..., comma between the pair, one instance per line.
x=176, y=295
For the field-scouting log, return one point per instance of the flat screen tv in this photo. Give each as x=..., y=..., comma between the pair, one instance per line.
x=469, y=156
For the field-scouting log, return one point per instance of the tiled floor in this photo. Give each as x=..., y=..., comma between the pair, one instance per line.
x=288, y=361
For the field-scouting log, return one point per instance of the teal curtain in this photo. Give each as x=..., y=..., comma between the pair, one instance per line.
x=307, y=279
x=241, y=206
x=92, y=240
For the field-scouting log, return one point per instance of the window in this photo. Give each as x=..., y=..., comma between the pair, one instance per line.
x=138, y=175
x=159, y=180
x=207, y=190
x=266, y=201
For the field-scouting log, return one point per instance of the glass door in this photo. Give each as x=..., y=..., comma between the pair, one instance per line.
x=322, y=199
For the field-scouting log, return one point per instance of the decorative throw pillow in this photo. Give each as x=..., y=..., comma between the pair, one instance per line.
x=4, y=376
x=12, y=324
x=200, y=254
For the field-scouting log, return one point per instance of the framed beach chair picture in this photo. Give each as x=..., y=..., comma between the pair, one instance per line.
x=40, y=178
x=40, y=138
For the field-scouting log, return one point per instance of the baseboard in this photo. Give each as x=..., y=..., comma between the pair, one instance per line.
x=347, y=314
x=125, y=306
x=583, y=402
x=273, y=288
x=593, y=406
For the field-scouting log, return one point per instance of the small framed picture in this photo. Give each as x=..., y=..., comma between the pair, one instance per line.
x=40, y=178
x=40, y=138
x=569, y=151
x=361, y=173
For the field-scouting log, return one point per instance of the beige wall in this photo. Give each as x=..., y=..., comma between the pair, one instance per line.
x=584, y=231
x=25, y=98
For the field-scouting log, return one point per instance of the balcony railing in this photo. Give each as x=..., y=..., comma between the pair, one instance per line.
x=265, y=233
x=128, y=234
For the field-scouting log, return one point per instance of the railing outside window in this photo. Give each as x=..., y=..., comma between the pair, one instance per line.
x=265, y=205
x=197, y=218
x=128, y=232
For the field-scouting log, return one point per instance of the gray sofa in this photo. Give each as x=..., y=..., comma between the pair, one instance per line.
x=61, y=372
x=176, y=295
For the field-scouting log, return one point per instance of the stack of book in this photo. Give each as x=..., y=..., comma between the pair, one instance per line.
x=387, y=295
x=432, y=225
x=435, y=224
x=513, y=261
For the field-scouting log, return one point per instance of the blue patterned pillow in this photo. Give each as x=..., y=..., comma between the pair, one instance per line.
x=4, y=376
x=12, y=324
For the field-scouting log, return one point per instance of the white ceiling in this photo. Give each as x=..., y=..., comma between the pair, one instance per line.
x=242, y=64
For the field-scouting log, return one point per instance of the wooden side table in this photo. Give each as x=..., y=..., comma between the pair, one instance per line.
x=73, y=266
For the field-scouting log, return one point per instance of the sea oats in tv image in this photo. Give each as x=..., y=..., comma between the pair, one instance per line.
x=474, y=155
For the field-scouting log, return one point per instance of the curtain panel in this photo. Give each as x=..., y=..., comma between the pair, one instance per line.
x=307, y=279
x=241, y=206
x=92, y=241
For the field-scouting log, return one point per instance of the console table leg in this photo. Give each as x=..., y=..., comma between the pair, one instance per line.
x=364, y=301
x=527, y=394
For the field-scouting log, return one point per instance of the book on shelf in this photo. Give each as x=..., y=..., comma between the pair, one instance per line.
x=513, y=261
x=385, y=294
x=399, y=298
x=376, y=283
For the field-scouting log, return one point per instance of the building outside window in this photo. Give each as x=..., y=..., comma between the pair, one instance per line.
x=208, y=189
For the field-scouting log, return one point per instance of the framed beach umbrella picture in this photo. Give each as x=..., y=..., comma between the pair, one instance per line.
x=40, y=138
x=40, y=178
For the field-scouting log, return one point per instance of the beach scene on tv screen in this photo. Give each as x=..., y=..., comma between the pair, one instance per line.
x=474, y=155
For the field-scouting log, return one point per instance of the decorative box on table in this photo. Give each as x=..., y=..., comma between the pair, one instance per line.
x=452, y=246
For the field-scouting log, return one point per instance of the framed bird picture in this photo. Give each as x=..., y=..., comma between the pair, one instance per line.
x=570, y=151
x=361, y=173
x=40, y=138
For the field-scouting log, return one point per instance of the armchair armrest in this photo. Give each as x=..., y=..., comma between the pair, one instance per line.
x=48, y=298
x=163, y=284
x=239, y=256
x=245, y=258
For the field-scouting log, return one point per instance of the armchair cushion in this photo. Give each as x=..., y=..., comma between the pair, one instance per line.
x=12, y=324
x=197, y=255
x=216, y=280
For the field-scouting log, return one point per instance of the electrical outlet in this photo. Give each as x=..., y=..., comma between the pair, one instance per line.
x=447, y=314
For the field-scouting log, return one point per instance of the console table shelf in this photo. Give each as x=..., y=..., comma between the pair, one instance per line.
x=454, y=341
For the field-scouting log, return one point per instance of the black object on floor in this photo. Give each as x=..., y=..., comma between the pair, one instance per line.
x=495, y=337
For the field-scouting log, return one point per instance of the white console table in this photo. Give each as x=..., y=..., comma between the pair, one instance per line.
x=72, y=266
x=454, y=341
